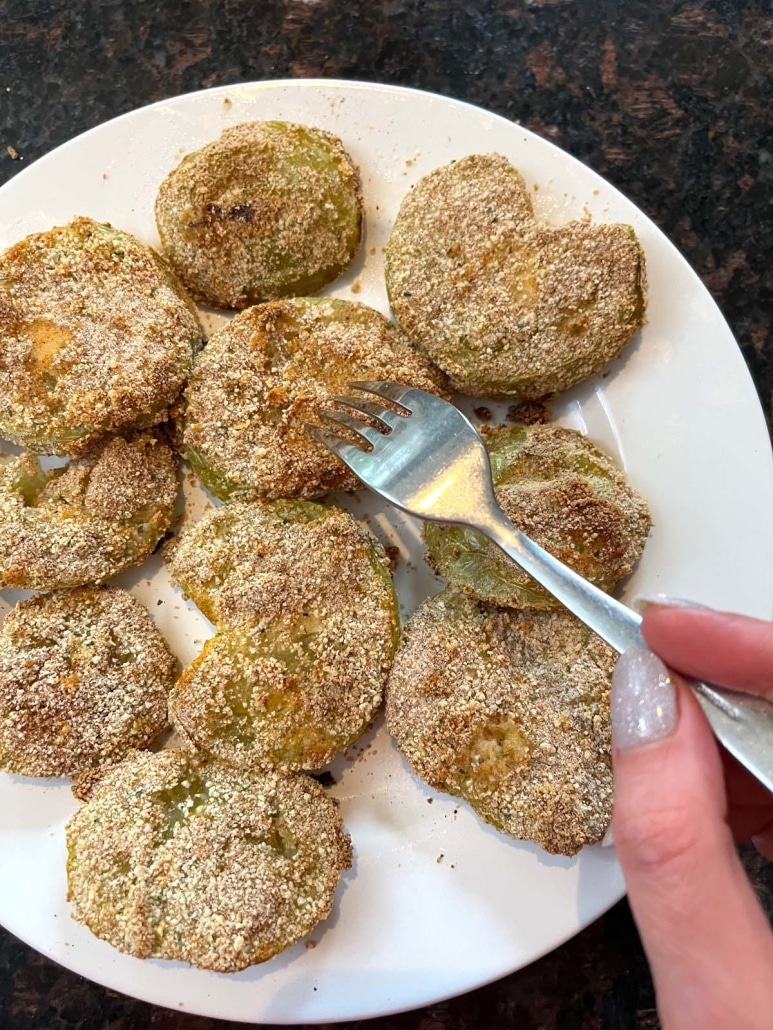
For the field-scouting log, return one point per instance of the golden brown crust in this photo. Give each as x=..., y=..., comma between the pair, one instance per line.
x=175, y=858
x=269, y=209
x=85, y=522
x=308, y=622
x=84, y=677
x=564, y=493
x=264, y=376
x=505, y=305
x=96, y=336
x=509, y=710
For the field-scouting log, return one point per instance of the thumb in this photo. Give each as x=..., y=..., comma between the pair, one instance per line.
x=707, y=940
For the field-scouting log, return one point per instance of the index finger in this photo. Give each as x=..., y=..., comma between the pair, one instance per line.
x=729, y=650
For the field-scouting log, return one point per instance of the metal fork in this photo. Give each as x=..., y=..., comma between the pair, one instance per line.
x=425, y=457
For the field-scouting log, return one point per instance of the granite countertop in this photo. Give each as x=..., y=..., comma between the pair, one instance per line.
x=670, y=102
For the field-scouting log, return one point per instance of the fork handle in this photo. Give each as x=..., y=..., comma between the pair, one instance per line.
x=741, y=722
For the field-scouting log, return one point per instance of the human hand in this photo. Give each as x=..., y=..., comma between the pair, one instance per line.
x=680, y=803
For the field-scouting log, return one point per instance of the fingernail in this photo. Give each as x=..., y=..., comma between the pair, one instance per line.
x=641, y=603
x=643, y=700
x=608, y=840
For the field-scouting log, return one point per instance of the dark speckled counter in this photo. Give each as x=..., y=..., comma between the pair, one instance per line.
x=669, y=100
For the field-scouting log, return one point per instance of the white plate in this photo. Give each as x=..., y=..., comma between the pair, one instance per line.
x=679, y=413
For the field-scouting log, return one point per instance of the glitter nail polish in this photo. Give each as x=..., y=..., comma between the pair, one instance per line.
x=643, y=700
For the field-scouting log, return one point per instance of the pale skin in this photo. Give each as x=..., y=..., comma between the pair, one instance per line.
x=681, y=803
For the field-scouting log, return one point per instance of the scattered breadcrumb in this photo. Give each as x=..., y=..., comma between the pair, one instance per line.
x=530, y=413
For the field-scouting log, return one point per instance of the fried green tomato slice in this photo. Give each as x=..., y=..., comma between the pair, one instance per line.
x=96, y=336
x=177, y=858
x=510, y=711
x=565, y=494
x=267, y=210
x=506, y=305
x=308, y=626
x=87, y=521
x=264, y=377
x=84, y=677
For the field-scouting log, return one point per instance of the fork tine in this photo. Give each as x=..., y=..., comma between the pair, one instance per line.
x=345, y=450
x=389, y=391
x=360, y=429
x=375, y=412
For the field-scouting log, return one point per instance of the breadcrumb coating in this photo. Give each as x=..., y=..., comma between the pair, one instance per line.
x=84, y=677
x=267, y=210
x=173, y=857
x=96, y=336
x=509, y=710
x=308, y=625
x=506, y=305
x=265, y=376
x=564, y=493
x=85, y=522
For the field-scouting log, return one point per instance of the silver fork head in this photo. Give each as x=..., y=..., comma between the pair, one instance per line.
x=423, y=455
